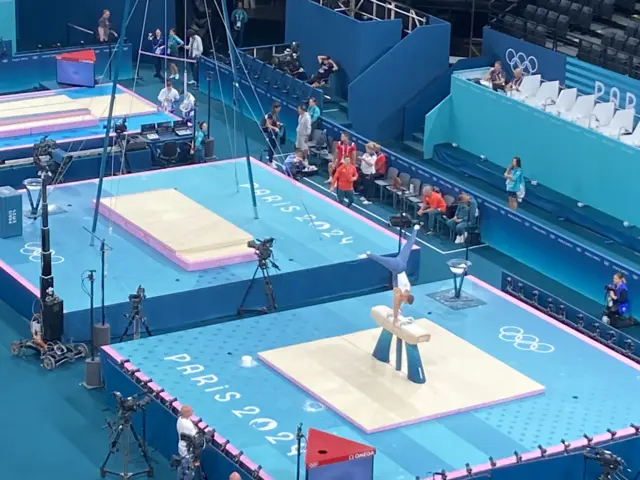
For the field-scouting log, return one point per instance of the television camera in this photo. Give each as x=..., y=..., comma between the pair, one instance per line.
x=611, y=465
x=264, y=252
x=288, y=61
x=189, y=464
x=263, y=248
x=126, y=406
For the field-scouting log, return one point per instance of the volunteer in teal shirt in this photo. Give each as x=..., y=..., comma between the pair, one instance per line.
x=198, y=142
x=174, y=43
x=239, y=18
x=515, y=183
x=314, y=112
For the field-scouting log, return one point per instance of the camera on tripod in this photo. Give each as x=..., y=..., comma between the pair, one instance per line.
x=195, y=445
x=609, y=462
x=136, y=299
x=263, y=248
x=43, y=153
x=127, y=406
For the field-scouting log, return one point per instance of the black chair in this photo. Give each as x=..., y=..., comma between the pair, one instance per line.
x=553, y=5
x=564, y=6
x=586, y=17
x=626, y=5
x=562, y=27
x=622, y=63
x=631, y=29
x=574, y=13
x=551, y=21
x=530, y=33
x=541, y=36
x=529, y=12
x=169, y=154
x=597, y=54
x=610, y=55
x=542, y=3
x=607, y=38
x=618, y=41
x=596, y=5
x=584, y=51
x=519, y=28
x=631, y=47
x=540, y=16
x=607, y=8
x=507, y=24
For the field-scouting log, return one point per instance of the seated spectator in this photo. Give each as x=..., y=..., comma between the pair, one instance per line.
x=617, y=300
x=368, y=171
x=326, y=69
x=344, y=148
x=314, y=113
x=381, y=163
x=516, y=81
x=295, y=164
x=464, y=218
x=167, y=98
x=495, y=76
x=433, y=205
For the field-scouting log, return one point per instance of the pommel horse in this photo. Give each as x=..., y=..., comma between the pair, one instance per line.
x=408, y=332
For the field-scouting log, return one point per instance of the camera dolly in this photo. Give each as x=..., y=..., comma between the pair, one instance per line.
x=52, y=354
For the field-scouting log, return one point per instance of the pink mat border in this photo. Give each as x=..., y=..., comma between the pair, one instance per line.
x=251, y=465
x=575, y=444
x=167, y=251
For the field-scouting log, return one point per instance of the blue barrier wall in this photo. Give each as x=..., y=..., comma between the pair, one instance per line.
x=605, y=84
x=8, y=21
x=353, y=45
x=378, y=96
x=516, y=53
x=565, y=157
x=49, y=26
x=437, y=126
x=430, y=96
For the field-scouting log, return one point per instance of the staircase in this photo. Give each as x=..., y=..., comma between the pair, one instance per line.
x=336, y=110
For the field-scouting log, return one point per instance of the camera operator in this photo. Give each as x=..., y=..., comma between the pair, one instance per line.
x=185, y=427
x=617, y=300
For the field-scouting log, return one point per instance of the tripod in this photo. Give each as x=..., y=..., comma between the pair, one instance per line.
x=263, y=268
x=125, y=428
x=190, y=469
x=136, y=318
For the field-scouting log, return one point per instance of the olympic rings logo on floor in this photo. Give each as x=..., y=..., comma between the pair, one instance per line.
x=523, y=341
x=34, y=252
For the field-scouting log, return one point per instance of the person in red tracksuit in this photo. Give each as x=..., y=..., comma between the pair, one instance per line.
x=344, y=177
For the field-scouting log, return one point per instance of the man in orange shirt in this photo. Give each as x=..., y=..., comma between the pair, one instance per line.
x=433, y=205
x=344, y=148
x=343, y=178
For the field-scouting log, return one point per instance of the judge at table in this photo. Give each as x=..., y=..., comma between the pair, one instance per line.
x=167, y=97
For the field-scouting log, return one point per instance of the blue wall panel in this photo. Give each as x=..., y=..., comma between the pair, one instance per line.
x=8, y=21
x=437, y=127
x=516, y=53
x=565, y=157
x=49, y=26
x=395, y=78
x=605, y=84
x=353, y=45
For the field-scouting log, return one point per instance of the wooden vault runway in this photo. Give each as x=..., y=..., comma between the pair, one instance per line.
x=341, y=373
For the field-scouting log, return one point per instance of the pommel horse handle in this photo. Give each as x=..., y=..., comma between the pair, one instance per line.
x=408, y=332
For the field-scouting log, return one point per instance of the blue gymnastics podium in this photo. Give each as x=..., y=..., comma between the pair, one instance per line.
x=330, y=457
x=407, y=333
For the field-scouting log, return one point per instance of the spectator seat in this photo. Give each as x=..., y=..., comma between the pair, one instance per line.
x=631, y=47
x=607, y=38
x=622, y=123
x=397, y=188
x=597, y=54
x=633, y=139
x=581, y=109
x=631, y=29
x=540, y=16
x=551, y=21
x=562, y=27
x=565, y=102
x=529, y=12
x=540, y=37
x=383, y=183
x=546, y=95
x=607, y=8
x=574, y=13
x=586, y=17
x=584, y=51
x=618, y=41
x=519, y=28
x=564, y=6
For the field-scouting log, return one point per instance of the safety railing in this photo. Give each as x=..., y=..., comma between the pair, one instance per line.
x=266, y=52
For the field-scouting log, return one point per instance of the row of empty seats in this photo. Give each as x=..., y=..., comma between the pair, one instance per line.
x=610, y=58
x=599, y=8
x=582, y=110
x=579, y=16
x=530, y=31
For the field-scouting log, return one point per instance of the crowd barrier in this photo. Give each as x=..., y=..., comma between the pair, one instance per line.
x=532, y=241
x=34, y=68
x=396, y=78
x=48, y=27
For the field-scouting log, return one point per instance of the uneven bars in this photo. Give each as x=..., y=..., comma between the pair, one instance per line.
x=166, y=57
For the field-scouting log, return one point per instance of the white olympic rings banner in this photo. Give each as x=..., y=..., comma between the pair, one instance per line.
x=523, y=341
x=34, y=252
x=528, y=64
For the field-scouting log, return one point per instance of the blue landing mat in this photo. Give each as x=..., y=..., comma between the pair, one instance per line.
x=318, y=259
x=259, y=410
x=78, y=134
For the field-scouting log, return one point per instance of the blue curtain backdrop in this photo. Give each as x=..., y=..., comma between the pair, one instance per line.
x=516, y=53
x=353, y=45
x=44, y=22
x=378, y=96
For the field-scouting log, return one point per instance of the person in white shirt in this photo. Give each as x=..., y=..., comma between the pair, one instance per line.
x=195, y=49
x=167, y=97
x=185, y=427
x=303, y=130
x=398, y=266
x=368, y=169
x=188, y=106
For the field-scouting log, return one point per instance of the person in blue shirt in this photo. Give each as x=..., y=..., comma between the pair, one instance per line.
x=515, y=183
x=314, y=113
x=198, y=142
x=173, y=44
x=617, y=300
x=158, y=48
x=464, y=218
x=239, y=18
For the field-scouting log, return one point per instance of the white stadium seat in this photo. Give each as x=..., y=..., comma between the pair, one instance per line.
x=566, y=101
x=633, y=139
x=528, y=88
x=601, y=116
x=622, y=123
x=581, y=109
x=546, y=95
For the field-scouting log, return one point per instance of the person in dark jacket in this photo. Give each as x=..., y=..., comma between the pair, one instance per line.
x=617, y=300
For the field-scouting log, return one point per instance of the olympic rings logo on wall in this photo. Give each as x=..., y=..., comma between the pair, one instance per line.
x=34, y=252
x=523, y=341
x=528, y=65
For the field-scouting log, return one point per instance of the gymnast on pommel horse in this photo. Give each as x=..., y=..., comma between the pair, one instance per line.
x=398, y=266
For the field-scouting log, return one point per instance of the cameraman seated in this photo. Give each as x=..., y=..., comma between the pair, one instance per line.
x=185, y=427
x=326, y=69
x=617, y=299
